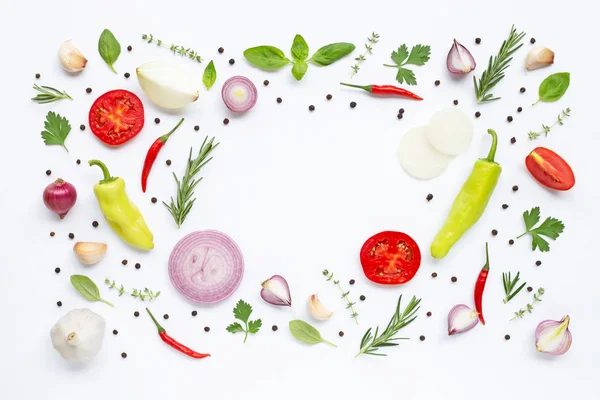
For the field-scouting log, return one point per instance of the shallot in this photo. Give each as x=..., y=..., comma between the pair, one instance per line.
x=461, y=319
x=60, y=196
x=553, y=337
x=460, y=60
x=276, y=291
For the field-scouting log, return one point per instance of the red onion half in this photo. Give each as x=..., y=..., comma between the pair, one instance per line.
x=60, y=197
x=239, y=94
x=460, y=60
x=206, y=266
x=276, y=291
x=461, y=318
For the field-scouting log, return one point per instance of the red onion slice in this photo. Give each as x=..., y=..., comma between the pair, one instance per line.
x=206, y=266
x=460, y=60
x=239, y=94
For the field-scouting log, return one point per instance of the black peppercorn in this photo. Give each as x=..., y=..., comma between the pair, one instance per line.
x=455, y=102
x=401, y=111
x=522, y=90
x=136, y=314
x=266, y=82
x=59, y=303
x=166, y=316
x=504, y=206
x=279, y=100
x=478, y=40
x=311, y=108
x=519, y=109
x=507, y=337
x=88, y=90
x=513, y=140
x=341, y=334
x=400, y=116
x=352, y=104
x=454, y=279
x=221, y=50
x=78, y=161
x=494, y=232
x=529, y=289
x=511, y=242
x=421, y=338
x=168, y=162
x=129, y=48
x=362, y=297
x=532, y=40
x=226, y=121
x=52, y=233
x=48, y=172
x=71, y=236
x=206, y=329
x=329, y=97
x=429, y=313
x=57, y=270
x=124, y=355
x=138, y=265
x=127, y=75
x=434, y=274
x=82, y=127
x=197, y=128
x=515, y=188
x=477, y=114
x=538, y=263
x=115, y=332
x=352, y=281
x=37, y=76
x=154, y=200
x=194, y=313
x=274, y=328
x=231, y=61
x=437, y=83
x=429, y=197
x=124, y=262
x=509, y=118
x=157, y=120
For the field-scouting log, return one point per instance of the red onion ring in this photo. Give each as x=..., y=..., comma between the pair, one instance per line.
x=239, y=93
x=206, y=266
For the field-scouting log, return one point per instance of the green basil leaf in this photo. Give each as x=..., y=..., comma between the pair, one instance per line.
x=87, y=288
x=329, y=54
x=299, y=69
x=210, y=75
x=109, y=48
x=554, y=87
x=306, y=333
x=299, y=49
x=266, y=57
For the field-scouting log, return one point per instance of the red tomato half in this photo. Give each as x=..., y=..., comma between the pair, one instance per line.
x=549, y=169
x=116, y=117
x=390, y=258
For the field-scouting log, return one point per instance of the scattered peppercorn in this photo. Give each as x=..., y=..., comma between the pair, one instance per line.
x=519, y=109
x=362, y=297
x=341, y=333
x=274, y=328
x=138, y=265
x=511, y=242
x=221, y=50
x=429, y=197
x=206, y=329
x=59, y=303
x=127, y=75
x=194, y=313
x=477, y=114
x=329, y=97
x=266, y=82
x=226, y=121
x=513, y=140
x=401, y=111
x=231, y=61
x=88, y=90
x=197, y=128
x=37, y=76
x=434, y=274
x=166, y=316
x=71, y=236
x=352, y=281
x=115, y=332
x=532, y=40
x=429, y=313
x=538, y=263
x=78, y=161
x=82, y=127
x=454, y=279
x=57, y=270
x=522, y=90
x=494, y=232
x=352, y=104
x=157, y=120
x=504, y=206
x=421, y=338
x=509, y=118
x=529, y=289
x=129, y=48
x=48, y=172
x=455, y=102
x=154, y=200
x=52, y=233
x=311, y=108
x=507, y=337
x=136, y=314
x=279, y=100
x=124, y=262
x=437, y=83
x=168, y=162
x=515, y=188
x=124, y=355
x=478, y=40
x=400, y=116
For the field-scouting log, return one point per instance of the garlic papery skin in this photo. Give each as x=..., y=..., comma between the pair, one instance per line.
x=167, y=85
x=78, y=335
x=90, y=253
x=539, y=57
x=553, y=337
x=317, y=310
x=70, y=58
x=461, y=319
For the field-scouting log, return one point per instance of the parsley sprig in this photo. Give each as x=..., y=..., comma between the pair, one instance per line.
x=551, y=228
x=509, y=286
x=418, y=55
x=57, y=129
x=242, y=312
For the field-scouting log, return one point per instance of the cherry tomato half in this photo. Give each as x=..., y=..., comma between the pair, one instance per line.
x=390, y=258
x=116, y=117
x=549, y=169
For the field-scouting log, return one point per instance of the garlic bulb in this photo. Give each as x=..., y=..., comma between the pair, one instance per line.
x=78, y=335
x=317, y=310
x=167, y=85
x=70, y=58
x=90, y=253
x=539, y=57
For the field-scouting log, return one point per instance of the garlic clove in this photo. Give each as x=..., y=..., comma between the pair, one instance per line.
x=167, y=85
x=553, y=337
x=539, y=57
x=317, y=310
x=460, y=60
x=90, y=253
x=70, y=58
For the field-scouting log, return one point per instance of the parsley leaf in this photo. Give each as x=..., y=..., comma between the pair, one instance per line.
x=254, y=326
x=419, y=55
x=57, y=129
x=400, y=55
x=235, y=328
x=242, y=312
x=551, y=228
x=406, y=75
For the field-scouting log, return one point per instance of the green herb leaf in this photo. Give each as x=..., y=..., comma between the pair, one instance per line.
x=400, y=55
x=531, y=217
x=306, y=333
x=254, y=326
x=406, y=75
x=210, y=75
x=87, y=288
x=419, y=55
x=551, y=228
x=242, y=312
x=57, y=129
x=109, y=48
x=331, y=53
x=554, y=87
x=545, y=129
x=48, y=94
x=299, y=49
x=509, y=286
x=235, y=328
x=266, y=57
x=299, y=69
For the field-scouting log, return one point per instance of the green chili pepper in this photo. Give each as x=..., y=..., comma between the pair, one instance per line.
x=470, y=202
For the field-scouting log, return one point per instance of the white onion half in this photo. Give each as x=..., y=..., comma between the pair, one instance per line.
x=450, y=131
x=167, y=85
x=418, y=157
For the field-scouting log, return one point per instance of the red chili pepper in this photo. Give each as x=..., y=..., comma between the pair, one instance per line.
x=386, y=90
x=480, y=285
x=152, y=153
x=174, y=343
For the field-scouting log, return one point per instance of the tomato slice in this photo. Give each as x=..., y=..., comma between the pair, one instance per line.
x=116, y=117
x=390, y=258
x=549, y=169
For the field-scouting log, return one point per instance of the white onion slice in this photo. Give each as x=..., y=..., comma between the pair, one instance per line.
x=450, y=131
x=418, y=157
x=239, y=94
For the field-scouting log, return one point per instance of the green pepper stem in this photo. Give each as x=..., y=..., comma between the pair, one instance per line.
x=368, y=88
x=492, y=152
x=160, y=328
x=165, y=137
x=107, y=177
x=486, y=267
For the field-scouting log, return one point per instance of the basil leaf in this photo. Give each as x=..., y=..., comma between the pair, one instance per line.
x=210, y=75
x=299, y=69
x=87, y=288
x=329, y=54
x=306, y=333
x=109, y=48
x=266, y=57
x=299, y=49
x=554, y=87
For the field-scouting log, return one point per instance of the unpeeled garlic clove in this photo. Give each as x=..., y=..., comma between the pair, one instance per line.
x=90, y=253
x=539, y=57
x=317, y=310
x=70, y=58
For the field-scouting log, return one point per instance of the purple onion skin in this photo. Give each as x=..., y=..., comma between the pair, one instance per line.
x=59, y=197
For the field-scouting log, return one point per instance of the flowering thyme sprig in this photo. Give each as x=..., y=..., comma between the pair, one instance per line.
x=176, y=49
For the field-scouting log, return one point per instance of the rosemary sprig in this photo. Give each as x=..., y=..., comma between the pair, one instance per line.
x=371, y=343
x=496, y=66
x=545, y=128
x=509, y=286
x=136, y=293
x=49, y=94
x=368, y=50
x=176, y=49
x=185, y=188
x=529, y=307
x=345, y=294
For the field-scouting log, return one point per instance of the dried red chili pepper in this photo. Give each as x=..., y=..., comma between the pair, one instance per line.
x=153, y=152
x=174, y=343
x=480, y=285
x=386, y=90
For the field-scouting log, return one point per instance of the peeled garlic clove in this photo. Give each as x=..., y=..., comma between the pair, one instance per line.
x=317, y=310
x=460, y=60
x=90, y=252
x=553, y=337
x=539, y=57
x=461, y=319
x=70, y=58
x=167, y=85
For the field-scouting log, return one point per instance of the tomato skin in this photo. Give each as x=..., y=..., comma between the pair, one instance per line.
x=550, y=169
x=116, y=117
x=390, y=258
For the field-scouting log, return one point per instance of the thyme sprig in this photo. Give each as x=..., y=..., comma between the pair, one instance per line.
x=509, y=286
x=48, y=94
x=136, y=293
x=176, y=49
x=368, y=50
x=546, y=129
x=350, y=304
x=529, y=307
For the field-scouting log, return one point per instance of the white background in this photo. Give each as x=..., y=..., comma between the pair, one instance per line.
x=299, y=192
